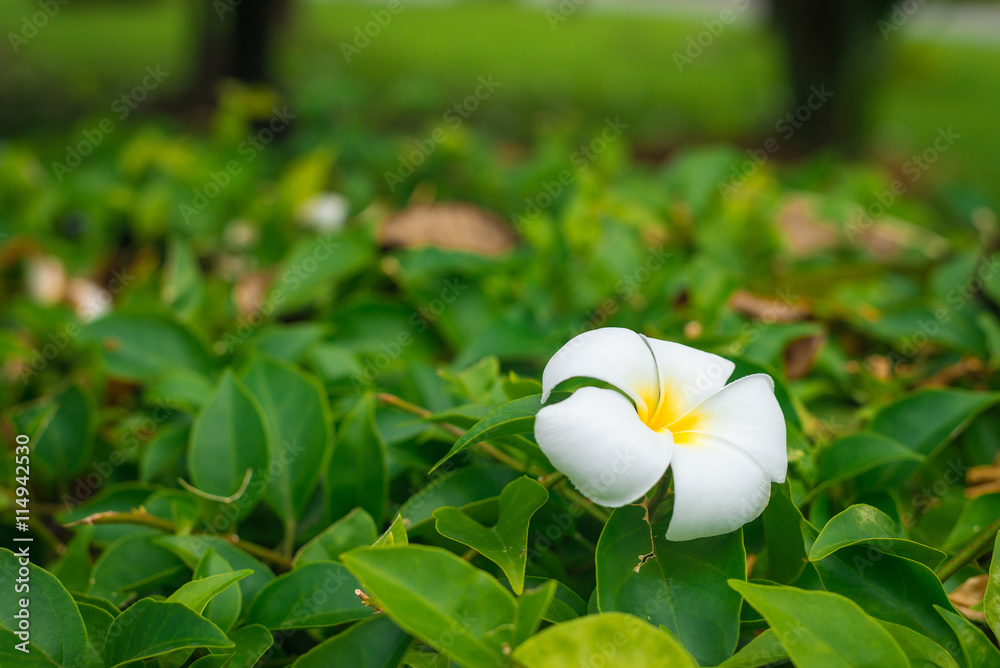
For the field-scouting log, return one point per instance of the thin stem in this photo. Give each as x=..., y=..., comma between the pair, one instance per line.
x=550, y=480
x=969, y=552
x=288, y=540
x=143, y=517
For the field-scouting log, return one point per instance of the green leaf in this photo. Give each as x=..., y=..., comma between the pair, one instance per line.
x=121, y=497
x=55, y=625
x=192, y=549
x=252, y=642
x=611, y=639
x=150, y=628
x=977, y=649
x=864, y=525
x=297, y=414
x=531, y=608
x=141, y=347
x=394, y=536
x=785, y=554
x=73, y=567
x=763, y=650
x=97, y=621
x=506, y=543
x=513, y=417
x=356, y=475
x=924, y=422
x=63, y=441
x=457, y=488
x=441, y=599
x=11, y=656
x=823, y=630
x=197, y=593
x=211, y=661
x=890, y=588
x=921, y=650
x=991, y=602
x=852, y=455
x=317, y=594
x=566, y=604
x=229, y=438
x=224, y=608
x=133, y=564
x=680, y=585
x=376, y=643
x=96, y=601
x=355, y=529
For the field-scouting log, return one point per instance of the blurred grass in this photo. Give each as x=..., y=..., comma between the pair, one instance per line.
x=592, y=65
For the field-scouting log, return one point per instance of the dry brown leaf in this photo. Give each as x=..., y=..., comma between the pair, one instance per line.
x=800, y=355
x=250, y=290
x=983, y=479
x=447, y=225
x=766, y=308
x=804, y=233
x=970, y=594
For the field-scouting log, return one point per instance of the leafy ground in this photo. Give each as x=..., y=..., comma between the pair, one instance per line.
x=342, y=367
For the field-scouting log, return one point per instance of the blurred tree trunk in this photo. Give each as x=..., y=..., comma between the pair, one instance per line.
x=235, y=40
x=838, y=45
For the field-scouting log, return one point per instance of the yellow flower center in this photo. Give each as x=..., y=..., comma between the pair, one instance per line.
x=661, y=414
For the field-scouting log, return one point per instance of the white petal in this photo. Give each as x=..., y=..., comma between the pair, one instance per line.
x=717, y=489
x=746, y=414
x=612, y=354
x=598, y=441
x=688, y=376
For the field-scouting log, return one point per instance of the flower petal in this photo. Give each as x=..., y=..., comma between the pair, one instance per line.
x=717, y=489
x=746, y=414
x=614, y=355
x=598, y=441
x=688, y=376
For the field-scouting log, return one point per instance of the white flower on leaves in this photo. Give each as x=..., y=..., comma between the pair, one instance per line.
x=724, y=443
x=324, y=213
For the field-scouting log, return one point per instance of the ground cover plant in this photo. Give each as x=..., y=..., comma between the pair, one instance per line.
x=283, y=388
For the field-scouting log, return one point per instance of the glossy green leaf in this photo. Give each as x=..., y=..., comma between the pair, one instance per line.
x=612, y=640
x=355, y=529
x=513, y=417
x=565, y=605
x=73, y=567
x=764, y=650
x=54, y=621
x=853, y=455
x=977, y=649
x=197, y=593
x=317, y=594
x=230, y=438
x=62, y=432
x=864, y=525
x=140, y=347
x=394, y=536
x=297, y=414
x=991, y=601
x=532, y=606
x=376, y=643
x=356, y=475
x=457, y=488
x=681, y=585
x=191, y=549
x=97, y=622
x=133, y=564
x=150, y=628
x=505, y=543
x=224, y=607
x=96, y=601
x=10, y=655
x=122, y=497
x=785, y=553
x=441, y=599
x=890, y=588
x=251, y=643
x=921, y=650
x=804, y=623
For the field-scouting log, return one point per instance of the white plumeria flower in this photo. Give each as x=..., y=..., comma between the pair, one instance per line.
x=726, y=443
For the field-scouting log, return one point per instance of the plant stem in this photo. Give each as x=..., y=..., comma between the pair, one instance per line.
x=969, y=552
x=142, y=517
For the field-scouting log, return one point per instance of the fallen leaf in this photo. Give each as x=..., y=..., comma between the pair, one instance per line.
x=447, y=225
x=800, y=355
